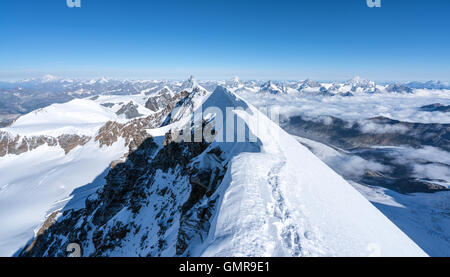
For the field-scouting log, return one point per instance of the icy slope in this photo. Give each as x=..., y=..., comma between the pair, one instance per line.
x=285, y=202
x=36, y=183
x=419, y=215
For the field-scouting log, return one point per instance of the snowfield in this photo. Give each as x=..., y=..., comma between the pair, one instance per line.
x=39, y=182
x=419, y=215
x=284, y=201
x=79, y=116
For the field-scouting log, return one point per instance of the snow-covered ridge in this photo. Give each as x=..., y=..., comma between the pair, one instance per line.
x=271, y=197
x=79, y=116
x=310, y=210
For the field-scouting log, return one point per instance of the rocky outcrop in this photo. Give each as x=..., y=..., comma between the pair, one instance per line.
x=130, y=111
x=196, y=215
x=47, y=224
x=134, y=132
x=157, y=196
x=160, y=100
x=16, y=144
x=69, y=142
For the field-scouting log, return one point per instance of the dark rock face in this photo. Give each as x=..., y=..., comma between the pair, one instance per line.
x=134, y=132
x=161, y=100
x=129, y=110
x=176, y=173
x=196, y=216
x=436, y=108
x=122, y=184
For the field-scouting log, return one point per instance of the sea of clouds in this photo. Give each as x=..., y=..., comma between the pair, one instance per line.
x=397, y=106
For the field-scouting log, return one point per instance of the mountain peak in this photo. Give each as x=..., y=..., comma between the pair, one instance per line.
x=271, y=88
x=308, y=83
x=190, y=84
x=234, y=82
x=49, y=78
x=223, y=98
x=358, y=81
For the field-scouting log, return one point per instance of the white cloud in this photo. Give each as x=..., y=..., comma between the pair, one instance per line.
x=403, y=107
x=374, y=128
x=432, y=171
x=345, y=165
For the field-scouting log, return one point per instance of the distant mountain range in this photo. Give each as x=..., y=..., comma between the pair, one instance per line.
x=21, y=97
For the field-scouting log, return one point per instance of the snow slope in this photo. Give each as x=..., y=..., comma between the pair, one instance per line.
x=79, y=116
x=419, y=215
x=284, y=201
x=115, y=102
x=36, y=183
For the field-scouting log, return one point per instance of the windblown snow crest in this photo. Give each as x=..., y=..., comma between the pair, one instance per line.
x=245, y=188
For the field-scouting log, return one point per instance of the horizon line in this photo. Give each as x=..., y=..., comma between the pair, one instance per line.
x=60, y=78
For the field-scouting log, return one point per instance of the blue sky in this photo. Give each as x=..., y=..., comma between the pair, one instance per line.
x=253, y=39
